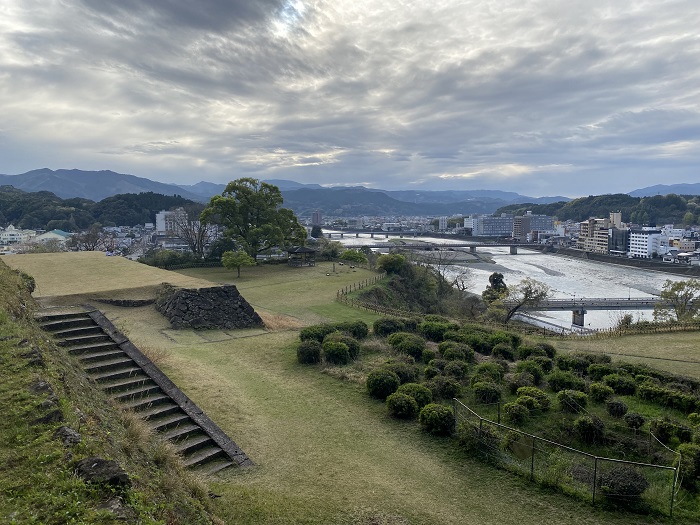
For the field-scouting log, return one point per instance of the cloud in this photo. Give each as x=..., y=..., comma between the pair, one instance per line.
x=528, y=95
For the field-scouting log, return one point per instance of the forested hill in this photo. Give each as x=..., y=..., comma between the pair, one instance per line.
x=44, y=210
x=659, y=209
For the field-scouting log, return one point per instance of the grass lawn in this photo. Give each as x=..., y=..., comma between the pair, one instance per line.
x=325, y=453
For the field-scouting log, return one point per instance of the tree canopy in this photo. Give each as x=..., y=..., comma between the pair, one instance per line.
x=251, y=213
x=680, y=301
x=237, y=259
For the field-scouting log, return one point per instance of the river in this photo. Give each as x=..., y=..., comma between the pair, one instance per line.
x=566, y=276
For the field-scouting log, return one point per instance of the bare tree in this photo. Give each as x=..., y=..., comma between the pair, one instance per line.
x=90, y=240
x=528, y=292
x=195, y=233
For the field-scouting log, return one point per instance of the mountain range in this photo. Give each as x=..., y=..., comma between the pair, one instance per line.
x=341, y=201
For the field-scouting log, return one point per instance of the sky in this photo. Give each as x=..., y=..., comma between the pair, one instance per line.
x=542, y=97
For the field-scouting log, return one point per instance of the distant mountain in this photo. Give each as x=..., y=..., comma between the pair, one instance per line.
x=665, y=189
x=207, y=190
x=93, y=185
x=353, y=202
x=469, y=195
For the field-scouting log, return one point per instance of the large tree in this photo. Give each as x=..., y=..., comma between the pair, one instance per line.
x=680, y=301
x=251, y=213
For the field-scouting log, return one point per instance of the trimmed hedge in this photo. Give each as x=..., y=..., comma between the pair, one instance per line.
x=598, y=392
x=572, y=400
x=407, y=343
x=336, y=353
x=387, y=326
x=621, y=384
x=402, y=406
x=564, y=380
x=486, y=392
x=422, y=394
x=352, y=343
x=309, y=352
x=540, y=395
x=437, y=419
x=382, y=383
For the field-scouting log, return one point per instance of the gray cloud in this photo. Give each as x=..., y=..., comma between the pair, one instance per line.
x=536, y=96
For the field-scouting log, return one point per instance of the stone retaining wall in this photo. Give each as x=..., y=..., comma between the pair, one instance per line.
x=217, y=307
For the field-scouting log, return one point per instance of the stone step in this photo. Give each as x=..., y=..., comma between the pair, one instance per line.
x=180, y=432
x=80, y=330
x=193, y=443
x=85, y=339
x=204, y=455
x=171, y=421
x=120, y=385
x=90, y=357
x=113, y=375
x=65, y=324
x=212, y=467
x=106, y=365
x=157, y=412
x=141, y=403
x=79, y=349
x=137, y=391
x=47, y=316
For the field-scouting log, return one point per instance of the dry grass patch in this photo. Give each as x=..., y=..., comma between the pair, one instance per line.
x=277, y=322
x=678, y=353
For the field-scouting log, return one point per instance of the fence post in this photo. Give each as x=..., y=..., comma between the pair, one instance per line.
x=595, y=476
x=532, y=460
x=455, y=422
x=499, y=412
x=673, y=484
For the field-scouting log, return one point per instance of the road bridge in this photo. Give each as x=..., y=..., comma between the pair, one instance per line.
x=579, y=306
x=440, y=246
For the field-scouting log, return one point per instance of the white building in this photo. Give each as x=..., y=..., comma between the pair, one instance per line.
x=12, y=235
x=53, y=235
x=644, y=243
x=489, y=225
x=442, y=223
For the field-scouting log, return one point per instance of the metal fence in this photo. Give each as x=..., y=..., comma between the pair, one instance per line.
x=572, y=471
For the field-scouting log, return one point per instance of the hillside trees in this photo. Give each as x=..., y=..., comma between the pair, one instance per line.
x=251, y=213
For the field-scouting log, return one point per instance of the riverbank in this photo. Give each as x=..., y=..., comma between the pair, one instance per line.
x=644, y=264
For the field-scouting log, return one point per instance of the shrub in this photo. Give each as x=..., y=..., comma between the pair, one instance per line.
x=526, y=351
x=665, y=429
x=357, y=329
x=316, y=332
x=428, y=354
x=336, y=353
x=548, y=349
x=634, y=420
x=309, y=352
x=561, y=380
x=598, y=392
x=483, y=442
x=386, y=326
x=545, y=363
x=694, y=419
x=572, y=400
x=456, y=369
x=504, y=351
x=420, y=393
x=401, y=406
x=435, y=318
x=670, y=398
x=485, y=392
x=381, y=383
x=444, y=387
x=437, y=419
x=540, y=395
x=689, y=463
x=352, y=343
x=499, y=336
x=452, y=350
x=589, y=429
x=433, y=330
x=430, y=372
x=596, y=371
x=479, y=343
x=570, y=363
x=406, y=343
x=520, y=379
x=515, y=412
x=622, y=484
x=532, y=368
x=622, y=385
x=529, y=402
x=406, y=372
x=616, y=408
x=487, y=372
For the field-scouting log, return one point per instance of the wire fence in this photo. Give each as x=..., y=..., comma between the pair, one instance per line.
x=629, y=484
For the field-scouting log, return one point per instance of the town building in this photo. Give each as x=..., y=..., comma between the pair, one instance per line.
x=12, y=235
x=644, y=243
x=593, y=235
x=489, y=225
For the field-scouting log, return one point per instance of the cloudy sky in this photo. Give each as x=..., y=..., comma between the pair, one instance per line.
x=543, y=97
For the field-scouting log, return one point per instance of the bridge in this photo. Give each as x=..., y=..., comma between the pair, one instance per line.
x=579, y=306
x=438, y=246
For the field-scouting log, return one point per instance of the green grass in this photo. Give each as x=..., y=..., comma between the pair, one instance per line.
x=324, y=451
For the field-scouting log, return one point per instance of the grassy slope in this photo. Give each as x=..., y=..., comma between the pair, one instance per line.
x=325, y=452
x=37, y=484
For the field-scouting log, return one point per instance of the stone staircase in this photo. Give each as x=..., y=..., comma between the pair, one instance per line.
x=135, y=383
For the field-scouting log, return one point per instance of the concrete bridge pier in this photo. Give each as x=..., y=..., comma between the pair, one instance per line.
x=578, y=317
x=472, y=249
x=514, y=250
x=357, y=235
x=372, y=235
x=386, y=236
